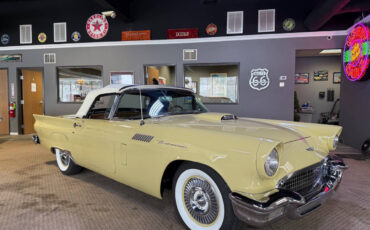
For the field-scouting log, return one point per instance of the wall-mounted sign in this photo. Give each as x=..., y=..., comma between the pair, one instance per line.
x=182, y=33
x=11, y=58
x=356, y=52
x=211, y=29
x=5, y=39
x=289, y=24
x=136, y=35
x=76, y=36
x=259, y=79
x=42, y=37
x=97, y=26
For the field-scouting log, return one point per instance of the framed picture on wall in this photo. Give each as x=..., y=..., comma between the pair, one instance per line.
x=321, y=75
x=117, y=77
x=302, y=78
x=337, y=77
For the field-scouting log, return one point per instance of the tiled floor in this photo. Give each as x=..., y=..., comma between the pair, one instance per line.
x=34, y=195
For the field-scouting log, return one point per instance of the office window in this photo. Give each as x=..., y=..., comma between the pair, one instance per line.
x=213, y=83
x=159, y=75
x=76, y=82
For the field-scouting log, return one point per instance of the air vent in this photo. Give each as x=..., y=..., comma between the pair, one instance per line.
x=190, y=54
x=60, y=32
x=229, y=117
x=25, y=33
x=49, y=58
x=266, y=20
x=234, y=22
x=142, y=137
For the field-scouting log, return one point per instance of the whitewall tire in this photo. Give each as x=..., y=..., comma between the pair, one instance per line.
x=65, y=163
x=201, y=198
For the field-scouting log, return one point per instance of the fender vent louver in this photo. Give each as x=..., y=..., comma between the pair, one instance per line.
x=142, y=137
x=228, y=117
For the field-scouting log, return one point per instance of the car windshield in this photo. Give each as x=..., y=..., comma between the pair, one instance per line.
x=157, y=103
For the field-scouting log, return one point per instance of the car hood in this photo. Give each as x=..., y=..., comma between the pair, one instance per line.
x=227, y=123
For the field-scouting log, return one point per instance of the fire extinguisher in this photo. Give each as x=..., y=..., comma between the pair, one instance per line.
x=12, y=110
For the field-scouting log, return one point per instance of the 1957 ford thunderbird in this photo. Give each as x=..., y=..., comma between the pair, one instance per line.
x=222, y=169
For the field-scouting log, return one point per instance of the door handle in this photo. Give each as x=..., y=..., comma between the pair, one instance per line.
x=41, y=102
x=76, y=125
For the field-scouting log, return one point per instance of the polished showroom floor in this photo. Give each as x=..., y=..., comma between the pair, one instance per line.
x=34, y=195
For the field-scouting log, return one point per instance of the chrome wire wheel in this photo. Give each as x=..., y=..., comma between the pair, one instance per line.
x=198, y=200
x=63, y=159
x=201, y=201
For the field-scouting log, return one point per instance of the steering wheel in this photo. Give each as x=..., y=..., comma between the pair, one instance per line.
x=178, y=108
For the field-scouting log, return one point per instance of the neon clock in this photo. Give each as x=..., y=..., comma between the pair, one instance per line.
x=356, y=52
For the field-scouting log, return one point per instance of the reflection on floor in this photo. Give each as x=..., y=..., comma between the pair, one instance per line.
x=34, y=195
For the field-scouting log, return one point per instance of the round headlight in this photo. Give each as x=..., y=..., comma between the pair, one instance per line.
x=335, y=142
x=272, y=163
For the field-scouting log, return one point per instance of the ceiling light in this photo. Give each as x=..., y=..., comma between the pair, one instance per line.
x=331, y=51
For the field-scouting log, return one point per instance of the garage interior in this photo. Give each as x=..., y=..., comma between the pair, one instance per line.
x=49, y=62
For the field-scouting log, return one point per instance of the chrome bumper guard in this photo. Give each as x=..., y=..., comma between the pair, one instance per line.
x=288, y=203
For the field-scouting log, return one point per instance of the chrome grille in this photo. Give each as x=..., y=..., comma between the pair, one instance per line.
x=305, y=181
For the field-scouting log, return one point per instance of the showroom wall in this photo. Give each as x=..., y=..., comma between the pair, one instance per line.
x=355, y=111
x=277, y=54
x=310, y=92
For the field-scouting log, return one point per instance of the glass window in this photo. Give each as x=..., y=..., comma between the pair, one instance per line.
x=213, y=83
x=126, y=78
x=101, y=107
x=160, y=75
x=158, y=102
x=75, y=82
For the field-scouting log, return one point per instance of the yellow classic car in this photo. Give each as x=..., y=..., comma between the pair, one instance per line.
x=222, y=169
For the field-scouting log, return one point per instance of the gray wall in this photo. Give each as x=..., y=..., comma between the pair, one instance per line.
x=277, y=55
x=355, y=111
x=310, y=92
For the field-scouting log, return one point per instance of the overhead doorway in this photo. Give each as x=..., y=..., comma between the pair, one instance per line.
x=4, y=104
x=32, y=97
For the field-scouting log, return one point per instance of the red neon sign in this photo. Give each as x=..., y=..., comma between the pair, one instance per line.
x=356, y=52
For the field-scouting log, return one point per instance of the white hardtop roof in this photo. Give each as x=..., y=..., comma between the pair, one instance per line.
x=112, y=89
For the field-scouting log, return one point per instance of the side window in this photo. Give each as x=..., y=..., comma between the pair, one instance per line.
x=129, y=106
x=101, y=107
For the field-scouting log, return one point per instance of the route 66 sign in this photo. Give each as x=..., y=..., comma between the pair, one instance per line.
x=259, y=79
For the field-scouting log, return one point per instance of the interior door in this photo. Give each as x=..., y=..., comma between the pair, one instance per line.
x=32, y=97
x=4, y=104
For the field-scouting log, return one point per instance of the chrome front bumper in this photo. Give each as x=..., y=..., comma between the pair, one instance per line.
x=287, y=203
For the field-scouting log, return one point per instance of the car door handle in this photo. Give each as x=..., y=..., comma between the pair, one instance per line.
x=76, y=125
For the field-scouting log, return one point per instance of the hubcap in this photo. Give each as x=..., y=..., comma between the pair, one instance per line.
x=64, y=157
x=201, y=201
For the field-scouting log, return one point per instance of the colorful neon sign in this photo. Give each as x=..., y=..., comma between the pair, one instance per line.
x=356, y=52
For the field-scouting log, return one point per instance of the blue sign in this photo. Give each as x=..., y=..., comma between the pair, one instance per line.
x=5, y=39
x=76, y=36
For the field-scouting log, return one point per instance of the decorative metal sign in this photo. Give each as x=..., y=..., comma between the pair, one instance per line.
x=289, y=24
x=356, y=52
x=42, y=37
x=97, y=26
x=211, y=29
x=136, y=35
x=5, y=39
x=259, y=79
x=76, y=36
x=182, y=33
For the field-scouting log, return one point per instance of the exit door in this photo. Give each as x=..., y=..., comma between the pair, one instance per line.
x=32, y=98
x=4, y=104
